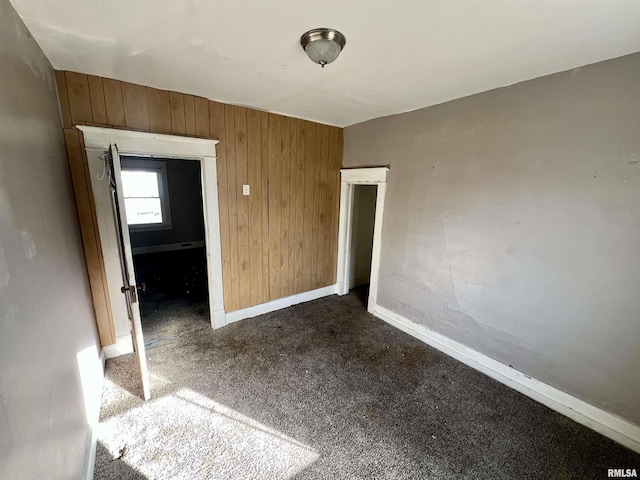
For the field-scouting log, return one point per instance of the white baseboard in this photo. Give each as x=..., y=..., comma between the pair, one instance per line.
x=279, y=304
x=123, y=346
x=607, y=424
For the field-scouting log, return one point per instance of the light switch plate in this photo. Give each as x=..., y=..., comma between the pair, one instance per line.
x=245, y=189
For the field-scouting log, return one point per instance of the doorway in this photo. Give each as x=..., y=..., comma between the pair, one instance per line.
x=164, y=209
x=362, y=223
x=150, y=145
x=352, y=204
x=104, y=148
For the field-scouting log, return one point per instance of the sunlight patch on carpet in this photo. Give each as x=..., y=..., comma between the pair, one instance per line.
x=188, y=435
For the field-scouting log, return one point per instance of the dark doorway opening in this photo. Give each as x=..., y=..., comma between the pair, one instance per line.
x=363, y=218
x=163, y=200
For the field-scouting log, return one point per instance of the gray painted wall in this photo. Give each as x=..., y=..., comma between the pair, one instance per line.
x=364, y=210
x=185, y=198
x=49, y=366
x=512, y=225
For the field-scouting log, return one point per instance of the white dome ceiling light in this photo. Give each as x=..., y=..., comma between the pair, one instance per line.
x=323, y=45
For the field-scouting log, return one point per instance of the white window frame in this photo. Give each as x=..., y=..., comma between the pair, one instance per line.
x=160, y=167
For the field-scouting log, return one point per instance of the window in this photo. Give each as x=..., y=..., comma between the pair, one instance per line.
x=146, y=196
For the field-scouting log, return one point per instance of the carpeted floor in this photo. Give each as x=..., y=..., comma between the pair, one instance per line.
x=324, y=390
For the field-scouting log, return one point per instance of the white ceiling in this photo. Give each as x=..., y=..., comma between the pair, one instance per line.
x=400, y=55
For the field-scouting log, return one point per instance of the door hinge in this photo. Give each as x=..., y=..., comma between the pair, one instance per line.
x=132, y=291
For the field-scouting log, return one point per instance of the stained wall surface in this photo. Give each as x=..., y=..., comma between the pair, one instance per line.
x=512, y=225
x=50, y=373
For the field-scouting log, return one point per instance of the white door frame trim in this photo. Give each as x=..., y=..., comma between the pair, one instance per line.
x=171, y=146
x=348, y=179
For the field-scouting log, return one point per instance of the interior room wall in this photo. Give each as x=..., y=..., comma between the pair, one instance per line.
x=511, y=225
x=50, y=372
x=185, y=203
x=282, y=238
x=364, y=210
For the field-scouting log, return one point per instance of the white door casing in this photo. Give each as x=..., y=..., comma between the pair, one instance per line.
x=348, y=179
x=172, y=146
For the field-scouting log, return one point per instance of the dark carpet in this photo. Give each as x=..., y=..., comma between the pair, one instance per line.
x=339, y=394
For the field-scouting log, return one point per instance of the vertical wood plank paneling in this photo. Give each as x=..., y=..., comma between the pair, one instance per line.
x=229, y=112
x=159, y=110
x=293, y=148
x=309, y=173
x=285, y=158
x=190, y=114
x=265, y=206
x=337, y=208
x=136, y=115
x=299, y=221
x=279, y=240
x=90, y=236
x=217, y=131
x=98, y=107
x=317, y=167
x=216, y=120
x=61, y=84
x=322, y=208
x=243, y=206
x=114, y=102
x=241, y=174
x=275, y=205
x=254, y=140
x=202, y=117
x=79, y=98
x=333, y=186
x=176, y=107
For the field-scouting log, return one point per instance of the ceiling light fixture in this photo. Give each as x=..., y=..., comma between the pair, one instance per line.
x=323, y=45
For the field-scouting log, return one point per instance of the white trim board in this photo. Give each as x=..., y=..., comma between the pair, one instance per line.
x=364, y=176
x=348, y=179
x=605, y=423
x=143, y=144
x=122, y=346
x=280, y=303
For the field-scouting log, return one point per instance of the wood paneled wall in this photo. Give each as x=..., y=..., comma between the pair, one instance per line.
x=282, y=238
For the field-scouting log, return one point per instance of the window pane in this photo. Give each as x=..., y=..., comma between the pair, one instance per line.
x=143, y=210
x=139, y=183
